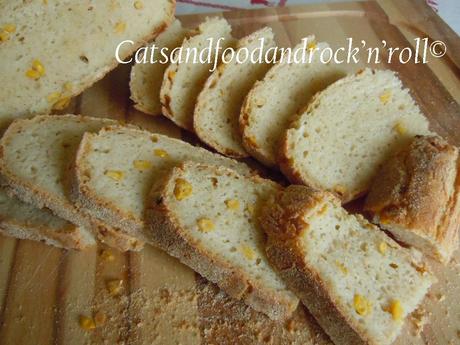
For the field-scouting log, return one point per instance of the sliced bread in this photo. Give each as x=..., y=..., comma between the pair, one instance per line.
x=206, y=217
x=272, y=103
x=183, y=80
x=416, y=196
x=24, y=221
x=217, y=110
x=348, y=130
x=356, y=281
x=53, y=50
x=117, y=167
x=36, y=162
x=146, y=77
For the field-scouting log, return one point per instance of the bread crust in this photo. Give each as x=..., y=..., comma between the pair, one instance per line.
x=166, y=232
x=418, y=191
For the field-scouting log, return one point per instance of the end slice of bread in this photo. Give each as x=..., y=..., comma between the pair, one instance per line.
x=272, y=103
x=146, y=77
x=218, y=107
x=183, y=80
x=347, y=132
x=356, y=281
x=416, y=196
x=24, y=221
x=117, y=167
x=57, y=49
x=206, y=216
x=36, y=161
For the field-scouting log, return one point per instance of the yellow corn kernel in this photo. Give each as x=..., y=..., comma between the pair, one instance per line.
x=120, y=27
x=54, y=97
x=396, y=310
x=399, y=128
x=154, y=139
x=311, y=45
x=37, y=66
x=142, y=165
x=342, y=267
x=33, y=74
x=62, y=103
x=107, y=255
x=114, y=286
x=248, y=252
x=182, y=189
x=100, y=318
x=385, y=97
x=45, y=2
x=87, y=323
x=205, y=225
x=160, y=153
x=171, y=75
x=138, y=5
x=115, y=174
x=4, y=36
x=362, y=306
x=232, y=204
x=382, y=247
x=10, y=28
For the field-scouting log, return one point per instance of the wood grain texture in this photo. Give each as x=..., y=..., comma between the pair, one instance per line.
x=44, y=290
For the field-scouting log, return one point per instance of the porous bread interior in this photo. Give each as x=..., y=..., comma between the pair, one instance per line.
x=344, y=250
x=348, y=131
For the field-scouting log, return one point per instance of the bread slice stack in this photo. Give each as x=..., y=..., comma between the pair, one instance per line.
x=347, y=132
x=36, y=161
x=146, y=77
x=357, y=282
x=183, y=80
x=116, y=168
x=217, y=109
x=272, y=103
x=56, y=49
x=207, y=217
x=416, y=197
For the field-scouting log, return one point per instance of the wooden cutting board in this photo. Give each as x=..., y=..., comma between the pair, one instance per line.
x=44, y=290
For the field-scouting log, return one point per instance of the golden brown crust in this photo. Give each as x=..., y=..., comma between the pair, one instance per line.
x=166, y=232
x=416, y=191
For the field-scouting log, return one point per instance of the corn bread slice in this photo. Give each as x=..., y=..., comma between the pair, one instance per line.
x=206, y=216
x=36, y=162
x=271, y=105
x=117, y=167
x=53, y=50
x=347, y=132
x=356, y=281
x=416, y=196
x=183, y=80
x=146, y=78
x=24, y=221
x=218, y=107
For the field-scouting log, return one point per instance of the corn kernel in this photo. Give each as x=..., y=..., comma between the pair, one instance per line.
x=171, y=75
x=399, y=128
x=62, y=103
x=120, y=27
x=341, y=266
x=138, y=5
x=154, y=139
x=115, y=174
x=100, y=318
x=4, y=36
x=311, y=45
x=53, y=97
x=248, y=252
x=114, y=286
x=182, y=189
x=382, y=247
x=232, y=204
x=10, y=28
x=107, y=255
x=160, y=153
x=385, y=97
x=33, y=74
x=37, y=65
x=205, y=225
x=142, y=165
x=362, y=306
x=396, y=310
x=87, y=323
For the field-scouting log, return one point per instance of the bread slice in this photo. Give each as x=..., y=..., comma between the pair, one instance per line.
x=217, y=110
x=117, y=167
x=57, y=49
x=357, y=282
x=272, y=103
x=416, y=196
x=183, y=80
x=23, y=221
x=36, y=162
x=206, y=217
x=348, y=130
x=146, y=77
